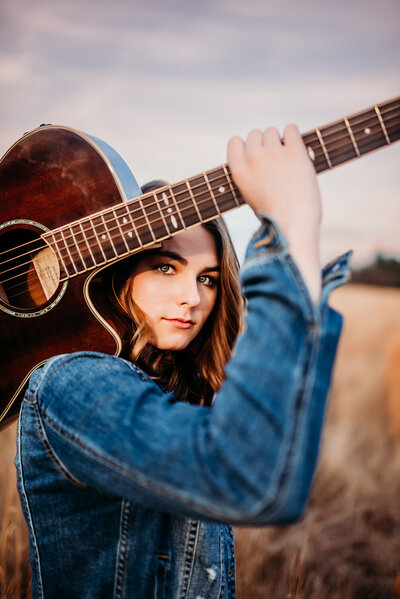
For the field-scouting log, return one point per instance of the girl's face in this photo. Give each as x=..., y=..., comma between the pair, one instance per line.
x=176, y=287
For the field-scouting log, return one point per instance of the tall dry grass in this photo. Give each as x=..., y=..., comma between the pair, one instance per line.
x=347, y=546
x=15, y=573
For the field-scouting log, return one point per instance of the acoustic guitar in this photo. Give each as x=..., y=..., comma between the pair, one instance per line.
x=70, y=207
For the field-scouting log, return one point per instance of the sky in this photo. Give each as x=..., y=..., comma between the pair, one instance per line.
x=166, y=83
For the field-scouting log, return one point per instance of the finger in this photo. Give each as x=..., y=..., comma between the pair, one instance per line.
x=292, y=137
x=254, y=142
x=271, y=137
x=235, y=151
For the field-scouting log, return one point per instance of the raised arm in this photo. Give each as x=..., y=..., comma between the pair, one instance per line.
x=279, y=179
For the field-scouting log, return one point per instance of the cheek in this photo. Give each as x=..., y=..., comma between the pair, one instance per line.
x=145, y=293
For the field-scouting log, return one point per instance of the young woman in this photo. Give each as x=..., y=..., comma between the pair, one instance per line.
x=129, y=478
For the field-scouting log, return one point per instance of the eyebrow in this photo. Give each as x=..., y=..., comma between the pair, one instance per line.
x=182, y=260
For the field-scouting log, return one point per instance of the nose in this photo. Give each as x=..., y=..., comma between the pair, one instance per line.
x=188, y=293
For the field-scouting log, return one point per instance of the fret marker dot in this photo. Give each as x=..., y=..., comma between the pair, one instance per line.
x=130, y=233
x=124, y=220
x=221, y=189
x=104, y=236
x=173, y=220
x=165, y=198
x=311, y=152
x=169, y=210
x=367, y=131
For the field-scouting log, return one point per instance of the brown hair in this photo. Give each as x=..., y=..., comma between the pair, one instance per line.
x=197, y=372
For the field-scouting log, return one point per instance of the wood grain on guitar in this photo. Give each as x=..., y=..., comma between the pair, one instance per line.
x=70, y=205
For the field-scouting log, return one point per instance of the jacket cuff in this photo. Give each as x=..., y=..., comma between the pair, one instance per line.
x=269, y=240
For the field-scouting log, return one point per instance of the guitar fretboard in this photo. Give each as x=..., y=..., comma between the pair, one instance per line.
x=139, y=223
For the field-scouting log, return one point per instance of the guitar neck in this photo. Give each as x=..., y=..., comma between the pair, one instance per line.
x=143, y=221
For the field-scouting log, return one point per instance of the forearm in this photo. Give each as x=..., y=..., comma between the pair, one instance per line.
x=265, y=429
x=275, y=175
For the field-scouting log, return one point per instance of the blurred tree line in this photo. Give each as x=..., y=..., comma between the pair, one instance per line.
x=383, y=271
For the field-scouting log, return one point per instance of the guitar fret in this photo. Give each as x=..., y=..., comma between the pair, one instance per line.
x=321, y=141
x=69, y=253
x=59, y=250
x=100, y=245
x=212, y=193
x=92, y=241
x=352, y=137
x=143, y=230
x=113, y=227
x=107, y=234
x=113, y=232
x=193, y=200
x=187, y=207
x=87, y=244
x=390, y=113
x=176, y=206
x=223, y=192
x=145, y=216
x=338, y=143
x=158, y=227
x=78, y=248
x=128, y=227
x=367, y=131
x=382, y=124
x=393, y=128
x=161, y=214
x=231, y=186
x=205, y=205
x=168, y=208
x=315, y=151
x=120, y=230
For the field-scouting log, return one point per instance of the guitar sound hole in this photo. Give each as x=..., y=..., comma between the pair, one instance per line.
x=29, y=270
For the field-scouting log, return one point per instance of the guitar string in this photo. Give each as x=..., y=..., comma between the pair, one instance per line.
x=109, y=260
x=331, y=138
x=74, y=254
x=143, y=213
x=159, y=221
x=366, y=116
x=376, y=133
x=146, y=196
x=361, y=123
x=122, y=205
x=130, y=203
x=318, y=151
x=206, y=182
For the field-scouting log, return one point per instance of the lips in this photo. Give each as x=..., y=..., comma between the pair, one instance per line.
x=180, y=323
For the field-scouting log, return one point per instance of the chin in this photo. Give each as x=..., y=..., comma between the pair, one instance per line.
x=178, y=345
x=175, y=347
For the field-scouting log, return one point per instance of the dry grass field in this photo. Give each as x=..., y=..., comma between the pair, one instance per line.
x=347, y=546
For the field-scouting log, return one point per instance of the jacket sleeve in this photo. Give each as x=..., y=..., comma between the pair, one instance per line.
x=250, y=458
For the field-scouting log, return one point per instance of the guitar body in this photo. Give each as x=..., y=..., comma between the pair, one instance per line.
x=50, y=177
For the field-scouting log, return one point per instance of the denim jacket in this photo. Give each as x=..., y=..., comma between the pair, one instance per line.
x=128, y=493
